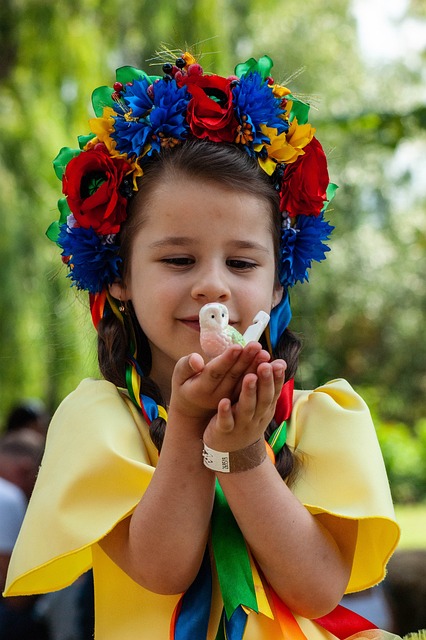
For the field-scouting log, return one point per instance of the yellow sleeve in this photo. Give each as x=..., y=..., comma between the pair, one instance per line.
x=97, y=464
x=343, y=474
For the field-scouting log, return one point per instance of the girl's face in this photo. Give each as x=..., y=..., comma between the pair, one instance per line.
x=198, y=243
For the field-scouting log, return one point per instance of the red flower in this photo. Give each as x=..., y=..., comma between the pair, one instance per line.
x=91, y=183
x=210, y=112
x=304, y=184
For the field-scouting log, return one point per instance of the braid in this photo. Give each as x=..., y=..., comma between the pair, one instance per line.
x=288, y=349
x=113, y=350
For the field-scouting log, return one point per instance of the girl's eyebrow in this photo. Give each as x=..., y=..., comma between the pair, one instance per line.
x=169, y=241
x=249, y=244
x=182, y=241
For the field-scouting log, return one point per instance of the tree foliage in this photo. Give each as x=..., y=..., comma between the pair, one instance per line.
x=361, y=319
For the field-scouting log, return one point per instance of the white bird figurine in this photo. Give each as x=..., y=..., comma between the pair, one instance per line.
x=216, y=334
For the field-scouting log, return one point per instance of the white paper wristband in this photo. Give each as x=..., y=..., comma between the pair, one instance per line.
x=235, y=461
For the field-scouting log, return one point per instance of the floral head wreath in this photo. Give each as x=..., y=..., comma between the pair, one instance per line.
x=141, y=115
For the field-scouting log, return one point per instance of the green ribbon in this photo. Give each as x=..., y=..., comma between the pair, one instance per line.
x=231, y=557
x=278, y=438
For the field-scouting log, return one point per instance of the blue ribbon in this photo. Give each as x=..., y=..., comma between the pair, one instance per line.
x=280, y=319
x=150, y=407
x=193, y=619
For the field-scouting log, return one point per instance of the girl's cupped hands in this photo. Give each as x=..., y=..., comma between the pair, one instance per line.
x=198, y=388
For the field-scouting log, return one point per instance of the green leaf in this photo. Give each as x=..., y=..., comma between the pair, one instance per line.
x=263, y=67
x=129, y=74
x=330, y=193
x=83, y=140
x=299, y=110
x=101, y=97
x=53, y=231
x=64, y=156
x=64, y=211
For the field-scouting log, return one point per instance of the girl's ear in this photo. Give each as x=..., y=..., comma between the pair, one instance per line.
x=119, y=291
x=277, y=295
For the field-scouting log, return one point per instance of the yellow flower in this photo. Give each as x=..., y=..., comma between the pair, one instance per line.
x=102, y=128
x=285, y=147
x=298, y=136
x=279, y=91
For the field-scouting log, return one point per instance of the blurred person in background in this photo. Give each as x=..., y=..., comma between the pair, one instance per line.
x=20, y=455
x=29, y=414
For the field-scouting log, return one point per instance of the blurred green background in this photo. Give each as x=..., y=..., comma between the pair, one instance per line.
x=362, y=66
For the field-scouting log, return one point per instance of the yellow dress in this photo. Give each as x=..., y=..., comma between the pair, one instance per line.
x=99, y=460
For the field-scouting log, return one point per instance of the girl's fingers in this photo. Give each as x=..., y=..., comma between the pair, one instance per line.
x=187, y=367
x=234, y=363
x=225, y=418
x=247, y=401
x=269, y=385
x=259, y=357
x=279, y=368
x=265, y=387
x=219, y=367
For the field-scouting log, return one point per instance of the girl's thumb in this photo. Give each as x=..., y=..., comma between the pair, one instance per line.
x=188, y=366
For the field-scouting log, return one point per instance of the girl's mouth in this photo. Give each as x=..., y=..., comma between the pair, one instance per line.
x=192, y=322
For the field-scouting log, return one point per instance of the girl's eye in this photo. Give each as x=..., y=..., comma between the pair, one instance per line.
x=178, y=261
x=241, y=265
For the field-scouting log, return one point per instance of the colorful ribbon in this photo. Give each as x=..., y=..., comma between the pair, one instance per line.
x=97, y=306
x=278, y=438
x=150, y=409
x=191, y=616
x=279, y=320
x=285, y=402
x=343, y=622
x=232, y=568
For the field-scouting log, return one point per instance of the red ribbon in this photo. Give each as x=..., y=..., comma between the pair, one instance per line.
x=97, y=305
x=285, y=402
x=343, y=622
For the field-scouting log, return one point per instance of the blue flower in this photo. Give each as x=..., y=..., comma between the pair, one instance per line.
x=253, y=98
x=302, y=244
x=150, y=120
x=94, y=260
x=169, y=115
x=137, y=98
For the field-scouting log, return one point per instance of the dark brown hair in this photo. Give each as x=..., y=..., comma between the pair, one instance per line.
x=207, y=162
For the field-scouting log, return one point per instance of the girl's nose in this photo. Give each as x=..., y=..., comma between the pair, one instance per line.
x=211, y=285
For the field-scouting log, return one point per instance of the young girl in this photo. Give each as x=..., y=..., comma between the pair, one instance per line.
x=203, y=513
